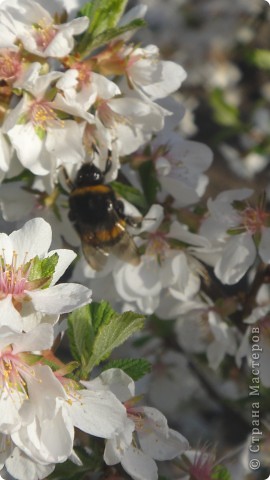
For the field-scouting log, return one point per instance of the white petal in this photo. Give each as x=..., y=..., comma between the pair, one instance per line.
x=10, y=404
x=5, y=153
x=138, y=465
x=116, y=381
x=98, y=413
x=141, y=281
x=116, y=447
x=264, y=247
x=40, y=338
x=157, y=440
x=9, y=315
x=62, y=298
x=34, y=238
x=166, y=78
x=237, y=257
x=178, y=231
x=21, y=467
x=65, y=258
x=63, y=42
x=65, y=144
x=6, y=247
x=47, y=434
x=29, y=148
x=105, y=88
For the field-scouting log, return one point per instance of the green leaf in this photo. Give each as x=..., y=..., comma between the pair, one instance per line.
x=260, y=58
x=224, y=113
x=100, y=313
x=136, y=368
x=108, y=35
x=103, y=14
x=113, y=334
x=149, y=181
x=131, y=194
x=81, y=334
x=220, y=473
x=42, y=269
x=90, y=41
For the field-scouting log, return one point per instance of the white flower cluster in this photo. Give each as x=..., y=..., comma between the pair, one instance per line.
x=62, y=108
x=74, y=94
x=40, y=406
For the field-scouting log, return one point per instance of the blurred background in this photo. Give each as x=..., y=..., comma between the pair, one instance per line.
x=225, y=50
x=223, y=46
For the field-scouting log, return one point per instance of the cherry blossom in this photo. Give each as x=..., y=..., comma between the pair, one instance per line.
x=156, y=441
x=24, y=301
x=36, y=29
x=237, y=235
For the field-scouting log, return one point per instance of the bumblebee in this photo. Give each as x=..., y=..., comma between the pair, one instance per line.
x=99, y=219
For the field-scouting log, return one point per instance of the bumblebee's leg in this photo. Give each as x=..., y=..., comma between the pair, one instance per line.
x=67, y=179
x=119, y=208
x=134, y=222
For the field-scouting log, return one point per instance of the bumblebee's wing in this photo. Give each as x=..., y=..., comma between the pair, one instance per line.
x=126, y=250
x=96, y=257
x=99, y=245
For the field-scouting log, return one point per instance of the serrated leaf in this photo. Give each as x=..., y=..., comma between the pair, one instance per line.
x=224, y=113
x=131, y=194
x=220, y=473
x=81, y=334
x=260, y=58
x=136, y=368
x=113, y=334
x=42, y=270
x=149, y=181
x=100, y=313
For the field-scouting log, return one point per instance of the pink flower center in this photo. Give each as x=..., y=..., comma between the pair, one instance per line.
x=84, y=73
x=13, y=372
x=108, y=117
x=254, y=219
x=136, y=416
x=13, y=278
x=202, y=467
x=157, y=245
x=10, y=65
x=44, y=34
x=43, y=116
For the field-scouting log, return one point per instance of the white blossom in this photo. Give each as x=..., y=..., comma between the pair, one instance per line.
x=156, y=441
x=25, y=302
x=30, y=23
x=233, y=235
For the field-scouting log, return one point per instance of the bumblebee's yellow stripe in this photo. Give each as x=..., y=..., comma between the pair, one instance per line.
x=91, y=188
x=106, y=237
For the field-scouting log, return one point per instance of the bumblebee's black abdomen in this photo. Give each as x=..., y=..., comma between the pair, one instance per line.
x=91, y=204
